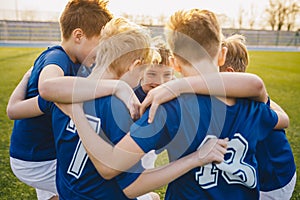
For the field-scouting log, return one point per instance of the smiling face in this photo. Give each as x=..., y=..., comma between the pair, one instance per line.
x=156, y=75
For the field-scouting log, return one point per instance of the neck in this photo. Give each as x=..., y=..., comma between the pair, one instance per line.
x=109, y=75
x=98, y=74
x=201, y=67
x=66, y=46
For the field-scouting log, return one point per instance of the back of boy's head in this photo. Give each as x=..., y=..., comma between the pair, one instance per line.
x=121, y=43
x=195, y=34
x=88, y=15
x=237, y=55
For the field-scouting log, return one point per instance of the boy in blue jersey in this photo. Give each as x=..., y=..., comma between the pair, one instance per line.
x=154, y=75
x=184, y=124
x=158, y=73
x=276, y=165
x=32, y=150
x=76, y=177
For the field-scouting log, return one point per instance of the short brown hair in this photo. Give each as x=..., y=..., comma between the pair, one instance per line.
x=187, y=29
x=88, y=15
x=160, y=46
x=237, y=54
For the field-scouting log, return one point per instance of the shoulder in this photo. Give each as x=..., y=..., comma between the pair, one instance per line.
x=108, y=104
x=54, y=55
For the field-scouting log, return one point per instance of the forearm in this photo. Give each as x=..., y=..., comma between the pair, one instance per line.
x=24, y=109
x=212, y=150
x=238, y=85
x=283, y=118
x=17, y=96
x=75, y=89
x=108, y=160
x=18, y=107
x=152, y=179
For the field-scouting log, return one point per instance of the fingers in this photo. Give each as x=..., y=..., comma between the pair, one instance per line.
x=134, y=111
x=213, y=150
x=220, y=149
x=152, y=112
x=144, y=105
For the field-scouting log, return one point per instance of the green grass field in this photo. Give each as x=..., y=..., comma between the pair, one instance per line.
x=279, y=70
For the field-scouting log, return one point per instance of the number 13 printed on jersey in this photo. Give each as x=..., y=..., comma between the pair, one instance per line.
x=234, y=170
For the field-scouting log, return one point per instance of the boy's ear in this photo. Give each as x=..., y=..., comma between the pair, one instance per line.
x=229, y=69
x=174, y=64
x=134, y=64
x=77, y=34
x=222, y=56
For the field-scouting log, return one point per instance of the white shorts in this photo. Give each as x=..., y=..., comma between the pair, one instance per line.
x=40, y=175
x=285, y=192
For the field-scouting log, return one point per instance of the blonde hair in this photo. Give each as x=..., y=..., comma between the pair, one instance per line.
x=122, y=42
x=88, y=15
x=187, y=30
x=237, y=54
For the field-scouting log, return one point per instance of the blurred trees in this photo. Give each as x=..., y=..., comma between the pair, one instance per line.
x=282, y=13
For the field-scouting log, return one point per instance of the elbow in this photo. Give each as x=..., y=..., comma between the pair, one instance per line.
x=106, y=173
x=286, y=121
x=10, y=113
x=283, y=121
x=258, y=86
x=45, y=91
x=130, y=193
x=107, y=176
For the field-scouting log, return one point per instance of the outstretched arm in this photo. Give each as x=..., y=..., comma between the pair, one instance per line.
x=217, y=84
x=18, y=107
x=55, y=87
x=111, y=161
x=283, y=118
x=108, y=160
x=211, y=151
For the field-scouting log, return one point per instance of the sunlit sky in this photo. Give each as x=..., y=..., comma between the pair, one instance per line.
x=148, y=7
x=254, y=9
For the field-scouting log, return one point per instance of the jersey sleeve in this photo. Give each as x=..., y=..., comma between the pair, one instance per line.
x=127, y=178
x=58, y=57
x=269, y=119
x=115, y=120
x=44, y=105
x=151, y=136
x=115, y=123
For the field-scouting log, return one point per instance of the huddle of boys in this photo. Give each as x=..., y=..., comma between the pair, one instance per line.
x=186, y=127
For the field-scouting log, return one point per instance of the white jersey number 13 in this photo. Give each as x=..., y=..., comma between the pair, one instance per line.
x=234, y=170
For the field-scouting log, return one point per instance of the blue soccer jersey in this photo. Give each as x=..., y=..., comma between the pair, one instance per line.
x=76, y=177
x=276, y=165
x=32, y=138
x=139, y=92
x=181, y=125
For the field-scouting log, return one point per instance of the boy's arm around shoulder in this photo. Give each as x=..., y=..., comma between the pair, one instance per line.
x=283, y=118
x=225, y=84
x=18, y=107
x=108, y=160
x=55, y=87
x=212, y=151
x=233, y=84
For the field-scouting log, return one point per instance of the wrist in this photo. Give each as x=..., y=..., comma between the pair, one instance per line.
x=194, y=161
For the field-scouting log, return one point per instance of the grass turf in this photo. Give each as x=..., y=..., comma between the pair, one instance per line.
x=279, y=70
